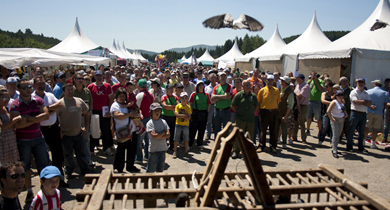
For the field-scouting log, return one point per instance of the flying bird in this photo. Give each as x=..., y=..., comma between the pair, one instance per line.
x=378, y=24
x=226, y=21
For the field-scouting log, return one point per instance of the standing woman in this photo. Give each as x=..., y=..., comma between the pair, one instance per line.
x=121, y=118
x=326, y=99
x=8, y=147
x=200, y=104
x=337, y=113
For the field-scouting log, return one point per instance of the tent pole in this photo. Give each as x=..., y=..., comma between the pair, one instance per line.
x=353, y=67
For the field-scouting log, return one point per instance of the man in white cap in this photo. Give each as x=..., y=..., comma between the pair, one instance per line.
x=268, y=97
x=285, y=106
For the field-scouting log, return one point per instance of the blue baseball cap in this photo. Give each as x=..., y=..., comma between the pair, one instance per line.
x=49, y=172
x=11, y=80
x=59, y=74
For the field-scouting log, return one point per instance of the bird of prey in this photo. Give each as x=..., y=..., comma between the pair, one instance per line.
x=226, y=21
x=378, y=24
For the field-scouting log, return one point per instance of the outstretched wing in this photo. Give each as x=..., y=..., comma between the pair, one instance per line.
x=217, y=22
x=378, y=24
x=252, y=23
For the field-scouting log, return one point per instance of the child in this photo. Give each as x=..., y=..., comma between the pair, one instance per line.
x=49, y=196
x=183, y=116
x=159, y=131
x=131, y=104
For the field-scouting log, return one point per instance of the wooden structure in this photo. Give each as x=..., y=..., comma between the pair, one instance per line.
x=321, y=188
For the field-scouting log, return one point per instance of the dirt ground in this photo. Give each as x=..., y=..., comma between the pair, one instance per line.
x=372, y=168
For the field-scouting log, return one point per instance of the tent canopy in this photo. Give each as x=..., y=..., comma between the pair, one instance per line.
x=190, y=61
x=206, y=56
x=16, y=57
x=232, y=54
x=76, y=42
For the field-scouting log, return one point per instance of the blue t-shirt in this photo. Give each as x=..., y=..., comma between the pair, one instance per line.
x=379, y=98
x=57, y=90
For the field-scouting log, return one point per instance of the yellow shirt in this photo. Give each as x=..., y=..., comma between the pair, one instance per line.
x=183, y=110
x=268, y=97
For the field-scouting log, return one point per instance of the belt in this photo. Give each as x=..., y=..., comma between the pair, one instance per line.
x=224, y=109
x=302, y=104
x=358, y=112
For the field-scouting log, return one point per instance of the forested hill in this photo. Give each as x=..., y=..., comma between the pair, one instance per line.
x=26, y=39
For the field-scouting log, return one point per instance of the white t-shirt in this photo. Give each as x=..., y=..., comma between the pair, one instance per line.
x=49, y=99
x=116, y=107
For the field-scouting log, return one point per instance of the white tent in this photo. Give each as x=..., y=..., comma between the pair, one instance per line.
x=369, y=50
x=206, y=56
x=228, y=58
x=126, y=52
x=183, y=58
x=16, y=57
x=137, y=56
x=115, y=49
x=312, y=38
x=190, y=61
x=76, y=42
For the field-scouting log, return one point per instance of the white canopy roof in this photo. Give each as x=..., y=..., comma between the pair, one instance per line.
x=183, y=58
x=312, y=39
x=190, y=61
x=16, y=57
x=120, y=52
x=274, y=43
x=206, y=56
x=361, y=37
x=232, y=54
x=137, y=56
x=76, y=42
x=126, y=52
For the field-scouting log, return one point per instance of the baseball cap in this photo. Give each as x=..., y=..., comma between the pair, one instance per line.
x=11, y=80
x=156, y=80
x=155, y=106
x=170, y=85
x=98, y=72
x=301, y=76
x=199, y=82
x=339, y=92
x=222, y=72
x=361, y=80
x=142, y=83
x=377, y=81
x=270, y=76
x=343, y=78
x=59, y=74
x=182, y=94
x=286, y=79
x=49, y=172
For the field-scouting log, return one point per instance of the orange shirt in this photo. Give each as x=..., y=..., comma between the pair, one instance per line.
x=256, y=82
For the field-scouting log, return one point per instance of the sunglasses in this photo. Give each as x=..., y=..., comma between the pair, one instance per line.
x=87, y=79
x=15, y=176
x=184, y=97
x=80, y=78
x=26, y=87
x=185, y=77
x=4, y=98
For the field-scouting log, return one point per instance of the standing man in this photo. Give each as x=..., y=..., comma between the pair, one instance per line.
x=285, y=106
x=144, y=100
x=379, y=99
x=209, y=90
x=108, y=77
x=314, y=106
x=244, y=104
x=360, y=101
x=255, y=79
x=221, y=97
x=268, y=97
x=12, y=177
x=29, y=137
x=302, y=92
x=102, y=99
x=122, y=83
x=189, y=87
x=11, y=84
x=60, y=79
x=38, y=72
x=70, y=115
x=50, y=129
x=344, y=85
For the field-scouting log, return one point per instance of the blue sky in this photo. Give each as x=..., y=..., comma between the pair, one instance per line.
x=161, y=25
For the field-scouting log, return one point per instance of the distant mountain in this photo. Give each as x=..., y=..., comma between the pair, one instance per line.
x=187, y=49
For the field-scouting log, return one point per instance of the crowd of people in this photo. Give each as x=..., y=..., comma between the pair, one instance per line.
x=162, y=110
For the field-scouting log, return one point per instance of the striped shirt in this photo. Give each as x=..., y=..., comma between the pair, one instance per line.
x=33, y=131
x=46, y=202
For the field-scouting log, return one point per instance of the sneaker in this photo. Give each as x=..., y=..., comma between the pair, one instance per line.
x=113, y=148
x=368, y=141
x=278, y=140
x=284, y=146
x=133, y=169
x=108, y=152
x=308, y=132
x=373, y=146
x=320, y=143
x=364, y=151
x=201, y=147
x=234, y=155
x=91, y=163
x=335, y=155
x=186, y=154
x=29, y=196
x=289, y=141
x=273, y=151
x=174, y=155
x=304, y=141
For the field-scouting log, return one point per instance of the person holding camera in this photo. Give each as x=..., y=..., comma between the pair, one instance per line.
x=314, y=107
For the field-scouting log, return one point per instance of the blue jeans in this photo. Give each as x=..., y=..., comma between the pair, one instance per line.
x=179, y=129
x=76, y=143
x=86, y=140
x=210, y=121
x=387, y=125
x=141, y=138
x=357, y=120
x=38, y=148
x=156, y=162
x=221, y=118
x=325, y=128
x=257, y=129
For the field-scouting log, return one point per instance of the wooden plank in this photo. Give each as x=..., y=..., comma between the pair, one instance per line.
x=100, y=190
x=375, y=200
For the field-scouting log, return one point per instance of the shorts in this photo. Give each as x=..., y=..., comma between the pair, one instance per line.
x=38, y=148
x=374, y=121
x=179, y=129
x=314, y=107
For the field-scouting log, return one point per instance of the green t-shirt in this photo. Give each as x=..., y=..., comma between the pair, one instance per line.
x=171, y=100
x=202, y=101
x=245, y=105
x=221, y=90
x=315, y=93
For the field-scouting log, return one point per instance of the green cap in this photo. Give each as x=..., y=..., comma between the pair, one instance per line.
x=142, y=83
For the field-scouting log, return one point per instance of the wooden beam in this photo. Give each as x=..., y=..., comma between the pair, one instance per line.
x=100, y=191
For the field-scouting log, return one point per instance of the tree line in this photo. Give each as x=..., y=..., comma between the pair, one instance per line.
x=27, y=39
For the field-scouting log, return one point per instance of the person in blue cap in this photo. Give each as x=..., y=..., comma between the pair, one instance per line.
x=49, y=197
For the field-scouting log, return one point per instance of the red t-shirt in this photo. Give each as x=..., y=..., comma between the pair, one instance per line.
x=116, y=86
x=100, y=95
x=132, y=97
x=234, y=92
